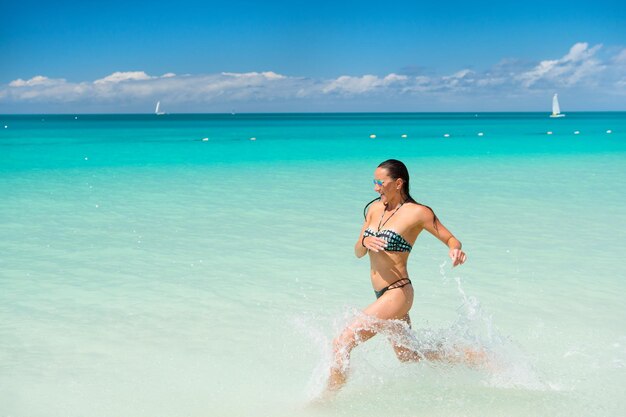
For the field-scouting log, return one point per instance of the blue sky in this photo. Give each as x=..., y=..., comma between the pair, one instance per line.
x=209, y=56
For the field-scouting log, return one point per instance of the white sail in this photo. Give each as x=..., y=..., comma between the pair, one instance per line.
x=556, y=109
x=156, y=111
x=555, y=105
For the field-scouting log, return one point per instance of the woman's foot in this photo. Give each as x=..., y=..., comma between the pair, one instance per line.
x=475, y=357
x=336, y=380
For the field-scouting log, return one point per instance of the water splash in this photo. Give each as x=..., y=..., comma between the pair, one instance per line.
x=471, y=342
x=320, y=343
x=508, y=366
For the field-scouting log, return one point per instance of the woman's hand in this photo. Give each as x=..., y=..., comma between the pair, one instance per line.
x=374, y=243
x=458, y=257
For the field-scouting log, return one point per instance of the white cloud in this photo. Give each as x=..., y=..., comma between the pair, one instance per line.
x=578, y=64
x=620, y=58
x=364, y=84
x=458, y=75
x=36, y=80
x=460, y=80
x=118, y=77
x=491, y=81
x=581, y=67
x=392, y=78
x=270, y=75
x=353, y=85
x=421, y=80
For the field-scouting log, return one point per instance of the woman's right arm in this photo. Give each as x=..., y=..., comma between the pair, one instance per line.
x=373, y=243
x=360, y=250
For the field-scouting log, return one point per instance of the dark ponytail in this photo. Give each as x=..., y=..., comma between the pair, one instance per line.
x=367, y=205
x=397, y=169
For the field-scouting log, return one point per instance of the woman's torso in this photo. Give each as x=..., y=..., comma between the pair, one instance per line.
x=390, y=266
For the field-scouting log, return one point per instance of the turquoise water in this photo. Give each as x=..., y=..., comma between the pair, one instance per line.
x=145, y=271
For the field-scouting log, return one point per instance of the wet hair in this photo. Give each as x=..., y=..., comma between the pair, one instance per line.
x=397, y=169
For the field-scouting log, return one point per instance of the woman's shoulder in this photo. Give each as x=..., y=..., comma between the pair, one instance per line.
x=419, y=210
x=375, y=207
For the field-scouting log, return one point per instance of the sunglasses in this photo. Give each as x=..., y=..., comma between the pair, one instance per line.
x=378, y=182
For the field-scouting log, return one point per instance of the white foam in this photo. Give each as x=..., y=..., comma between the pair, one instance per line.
x=507, y=366
x=404, y=135
x=609, y=131
x=549, y=132
x=372, y=136
x=574, y=352
x=308, y=327
x=446, y=135
x=480, y=133
x=500, y=363
x=577, y=132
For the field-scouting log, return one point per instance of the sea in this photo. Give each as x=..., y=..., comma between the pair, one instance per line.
x=200, y=265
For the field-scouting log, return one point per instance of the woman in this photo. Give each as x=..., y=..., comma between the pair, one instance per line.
x=392, y=224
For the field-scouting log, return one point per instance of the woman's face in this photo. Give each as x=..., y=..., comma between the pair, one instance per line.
x=387, y=187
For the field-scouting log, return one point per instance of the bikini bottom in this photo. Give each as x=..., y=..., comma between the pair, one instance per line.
x=398, y=284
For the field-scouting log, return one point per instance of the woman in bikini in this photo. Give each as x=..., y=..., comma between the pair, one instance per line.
x=392, y=224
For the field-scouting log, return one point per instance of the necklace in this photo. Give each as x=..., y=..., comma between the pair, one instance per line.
x=383, y=216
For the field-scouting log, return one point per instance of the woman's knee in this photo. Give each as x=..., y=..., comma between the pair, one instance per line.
x=351, y=337
x=345, y=341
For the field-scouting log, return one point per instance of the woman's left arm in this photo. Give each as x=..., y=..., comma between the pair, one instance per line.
x=437, y=229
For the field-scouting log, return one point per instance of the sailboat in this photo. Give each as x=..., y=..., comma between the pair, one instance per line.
x=556, y=110
x=156, y=111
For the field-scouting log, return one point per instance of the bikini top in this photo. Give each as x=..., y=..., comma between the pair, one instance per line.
x=395, y=242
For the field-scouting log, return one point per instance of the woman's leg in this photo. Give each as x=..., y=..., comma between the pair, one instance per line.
x=357, y=332
x=400, y=341
x=403, y=352
x=394, y=304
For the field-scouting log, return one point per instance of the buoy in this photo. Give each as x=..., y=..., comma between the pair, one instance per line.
x=372, y=136
x=205, y=139
x=404, y=136
x=576, y=132
x=252, y=138
x=549, y=132
x=446, y=135
x=608, y=131
x=6, y=127
x=86, y=159
x=480, y=133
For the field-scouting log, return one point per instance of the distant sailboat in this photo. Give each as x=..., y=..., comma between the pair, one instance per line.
x=556, y=110
x=156, y=111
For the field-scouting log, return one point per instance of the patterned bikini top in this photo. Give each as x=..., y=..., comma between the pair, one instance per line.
x=395, y=242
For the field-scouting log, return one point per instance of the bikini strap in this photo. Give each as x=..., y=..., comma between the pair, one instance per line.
x=399, y=283
x=383, y=216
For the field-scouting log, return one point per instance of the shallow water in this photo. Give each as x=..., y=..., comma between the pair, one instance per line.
x=146, y=272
